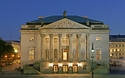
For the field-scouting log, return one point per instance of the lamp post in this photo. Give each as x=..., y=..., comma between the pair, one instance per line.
x=92, y=59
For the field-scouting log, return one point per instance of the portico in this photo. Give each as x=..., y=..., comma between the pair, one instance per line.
x=55, y=44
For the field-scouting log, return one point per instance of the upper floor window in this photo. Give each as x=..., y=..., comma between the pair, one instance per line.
x=31, y=54
x=119, y=45
x=116, y=45
x=110, y=50
x=98, y=54
x=31, y=39
x=122, y=45
x=98, y=38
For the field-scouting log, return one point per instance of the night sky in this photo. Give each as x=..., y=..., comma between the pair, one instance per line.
x=14, y=13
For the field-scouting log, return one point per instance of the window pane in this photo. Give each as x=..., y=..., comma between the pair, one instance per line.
x=98, y=54
x=98, y=38
x=31, y=54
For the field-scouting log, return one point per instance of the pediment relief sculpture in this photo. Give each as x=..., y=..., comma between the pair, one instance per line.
x=64, y=23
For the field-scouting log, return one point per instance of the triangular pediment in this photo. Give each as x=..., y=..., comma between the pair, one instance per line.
x=66, y=24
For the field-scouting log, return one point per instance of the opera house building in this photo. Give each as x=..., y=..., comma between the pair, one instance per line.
x=62, y=44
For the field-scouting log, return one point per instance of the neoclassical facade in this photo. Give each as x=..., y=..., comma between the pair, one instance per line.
x=117, y=46
x=62, y=44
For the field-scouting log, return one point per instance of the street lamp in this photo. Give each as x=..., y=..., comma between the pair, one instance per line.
x=92, y=59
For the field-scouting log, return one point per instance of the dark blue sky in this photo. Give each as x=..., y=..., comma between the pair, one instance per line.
x=14, y=13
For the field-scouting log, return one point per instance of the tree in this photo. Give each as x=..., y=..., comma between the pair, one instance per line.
x=5, y=48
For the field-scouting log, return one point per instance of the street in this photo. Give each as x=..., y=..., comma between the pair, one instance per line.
x=10, y=72
x=10, y=69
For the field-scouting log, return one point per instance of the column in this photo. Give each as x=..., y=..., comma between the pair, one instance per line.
x=79, y=46
x=42, y=46
x=60, y=51
x=51, y=46
x=70, y=48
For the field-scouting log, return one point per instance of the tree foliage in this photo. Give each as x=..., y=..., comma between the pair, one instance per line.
x=5, y=48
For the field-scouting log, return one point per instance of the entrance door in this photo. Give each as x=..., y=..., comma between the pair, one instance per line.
x=65, y=68
x=55, y=68
x=75, y=68
x=65, y=54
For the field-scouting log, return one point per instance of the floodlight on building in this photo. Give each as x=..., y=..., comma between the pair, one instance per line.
x=79, y=64
x=15, y=50
x=60, y=64
x=50, y=64
x=13, y=55
x=70, y=64
x=5, y=56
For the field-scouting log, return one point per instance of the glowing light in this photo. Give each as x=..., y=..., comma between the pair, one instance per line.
x=110, y=54
x=110, y=50
x=70, y=64
x=5, y=56
x=60, y=65
x=15, y=50
x=12, y=55
x=118, y=50
x=79, y=64
x=50, y=64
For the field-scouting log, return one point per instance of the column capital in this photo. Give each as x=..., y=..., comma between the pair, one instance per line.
x=42, y=35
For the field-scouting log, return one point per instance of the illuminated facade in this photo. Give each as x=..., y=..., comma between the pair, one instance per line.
x=117, y=46
x=62, y=44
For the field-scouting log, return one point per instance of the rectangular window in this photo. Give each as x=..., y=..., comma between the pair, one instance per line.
x=110, y=50
x=31, y=54
x=112, y=45
x=98, y=54
x=122, y=45
x=98, y=38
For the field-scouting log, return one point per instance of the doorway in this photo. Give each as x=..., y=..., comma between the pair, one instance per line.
x=75, y=68
x=65, y=68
